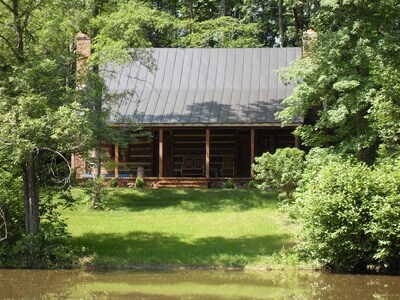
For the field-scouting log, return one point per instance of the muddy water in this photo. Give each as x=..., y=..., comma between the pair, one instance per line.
x=194, y=285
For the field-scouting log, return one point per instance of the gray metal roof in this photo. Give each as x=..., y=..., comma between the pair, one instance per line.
x=205, y=86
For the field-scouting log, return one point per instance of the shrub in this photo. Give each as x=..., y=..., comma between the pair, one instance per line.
x=350, y=214
x=52, y=247
x=139, y=182
x=229, y=184
x=280, y=171
x=252, y=184
x=334, y=211
x=113, y=183
x=385, y=212
x=96, y=193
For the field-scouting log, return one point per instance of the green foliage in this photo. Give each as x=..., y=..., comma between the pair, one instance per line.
x=252, y=184
x=139, y=182
x=385, y=211
x=347, y=82
x=349, y=213
x=12, y=206
x=42, y=121
x=113, y=183
x=280, y=171
x=224, y=32
x=229, y=184
x=52, y=248
x=94, y=190
x=130, y=24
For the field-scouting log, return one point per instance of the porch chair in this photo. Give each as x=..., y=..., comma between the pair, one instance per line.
x=228, y=166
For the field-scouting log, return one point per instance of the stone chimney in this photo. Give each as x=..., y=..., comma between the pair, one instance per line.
x=83, y=51
x=310, y=38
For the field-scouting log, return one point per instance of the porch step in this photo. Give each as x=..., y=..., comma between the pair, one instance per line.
x=184, y=183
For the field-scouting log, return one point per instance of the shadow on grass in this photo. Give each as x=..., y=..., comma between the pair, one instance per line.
x=204, y=200
x=159, y=249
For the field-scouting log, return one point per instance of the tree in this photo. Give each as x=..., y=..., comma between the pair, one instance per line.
x=38, y=112
x=281, y=29
x=120, y=34
x=340, y=90
x=224, y=32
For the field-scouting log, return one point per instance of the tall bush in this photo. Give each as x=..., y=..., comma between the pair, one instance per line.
x=280, y=171
x=52, y=244
x=385, y=212
x=350, y=214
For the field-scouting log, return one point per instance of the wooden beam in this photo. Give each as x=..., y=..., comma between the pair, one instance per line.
x=207, y=152
x=297, y=142
x=217, y=125
x=72, y=161
x=116, y=153
x=252, y=149
x=160, y=151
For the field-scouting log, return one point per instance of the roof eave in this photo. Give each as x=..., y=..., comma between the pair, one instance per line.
x=213, y=125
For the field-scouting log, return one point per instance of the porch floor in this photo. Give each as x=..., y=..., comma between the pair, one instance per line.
x=182, y=182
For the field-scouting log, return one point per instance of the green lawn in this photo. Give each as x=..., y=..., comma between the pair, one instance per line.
x=181, y=228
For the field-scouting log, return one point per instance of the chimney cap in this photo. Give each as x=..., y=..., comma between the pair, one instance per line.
x=82, y=36
x=311, y=33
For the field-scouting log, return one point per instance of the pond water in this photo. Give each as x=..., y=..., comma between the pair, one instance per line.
x=194, y=284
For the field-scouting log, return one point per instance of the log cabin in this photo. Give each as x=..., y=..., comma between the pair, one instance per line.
x=209, y=112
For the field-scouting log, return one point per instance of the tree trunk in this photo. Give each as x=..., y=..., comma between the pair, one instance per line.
x=98, y=107
x=223, y=8
x=96, y=200
x=19, y=32
x=31, y=200
x=281, y=31
x=191, y=10
x=298, y=24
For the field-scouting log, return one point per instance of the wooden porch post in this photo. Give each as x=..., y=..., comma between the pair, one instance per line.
x=116, y=154
x=297, y=142
x=72, y=161
x=160, y=151
x=207, y=152
x=252, y=149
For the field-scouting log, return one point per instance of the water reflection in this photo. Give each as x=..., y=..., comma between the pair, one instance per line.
x=194, y=285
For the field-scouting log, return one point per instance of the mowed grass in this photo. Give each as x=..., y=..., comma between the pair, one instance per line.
x=180, y=228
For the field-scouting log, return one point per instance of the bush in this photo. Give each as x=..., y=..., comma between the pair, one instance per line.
x=139, y=182
x=96, y=194
x=385, y=211
x=113, y=183
x=229, y=184
x=52, y=248
x=350, y=214
x=334, y=212
x=280, y=171
x=252, y=184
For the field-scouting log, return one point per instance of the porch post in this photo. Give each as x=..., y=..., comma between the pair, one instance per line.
x=116, y=154
x=160, y=151
x=72, y=161
x=207, y=152
x=252, y=149
x=297, y=142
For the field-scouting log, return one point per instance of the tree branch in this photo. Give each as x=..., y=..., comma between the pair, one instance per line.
x=7, y=6
x=8, y=43
x=67, y=179
x=3, y=225
x=6, y=40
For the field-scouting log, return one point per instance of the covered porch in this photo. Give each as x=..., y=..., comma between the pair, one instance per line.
x=194, y=152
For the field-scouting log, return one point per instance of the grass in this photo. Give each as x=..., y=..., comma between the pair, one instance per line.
x=162, y=228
